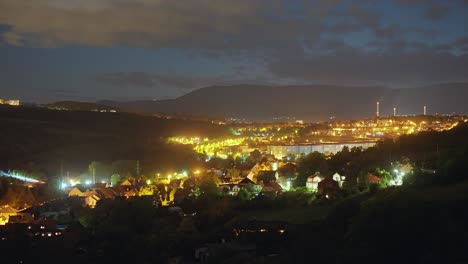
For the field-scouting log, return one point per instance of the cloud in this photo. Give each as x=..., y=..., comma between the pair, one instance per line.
x=204, y=24
x=436, y=12
x=380, y=67
x=179, y=82
x=133, y=79
x=342, y=28
x=410, y=2
x=62, y=91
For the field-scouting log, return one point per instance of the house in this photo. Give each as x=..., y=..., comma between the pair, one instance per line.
x=91, y=200
x=271, y=187
x=125, y=190
x=289, y=170
x=127, y=182
x=372, y=179
x=6, y=212
x=76, y=191
x=231, y=189
x=266, y=176
x=287, y=174
x=338, y=178
x=263, y=165
x=106, y=193
x=328, y=188
x=92, y=196
x=313, y=180
x=245, y=181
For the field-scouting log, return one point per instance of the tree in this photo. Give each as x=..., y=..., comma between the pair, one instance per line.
x=385, y=177
x=115, y=179
x=208, y=186
x=248, y=192
x=310, y=164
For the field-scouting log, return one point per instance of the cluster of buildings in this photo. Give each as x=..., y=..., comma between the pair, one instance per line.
x=267, y=176
x=39, y=223
x=330, y=187
x=284, y=139
x=280, y=151
x=9, y=102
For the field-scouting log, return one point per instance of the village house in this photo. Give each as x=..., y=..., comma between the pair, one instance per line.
x=90, y=197
x=328, y=188
x=231, y=189
x=338, y=178
x=5, y=212
x=313, y=180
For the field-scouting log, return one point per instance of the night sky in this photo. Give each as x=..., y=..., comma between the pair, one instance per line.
x=154, y=49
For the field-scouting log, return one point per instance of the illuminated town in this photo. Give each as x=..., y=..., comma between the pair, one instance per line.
x=233, y=131
x=251, y=163
x=295, y=139
x=9, y=102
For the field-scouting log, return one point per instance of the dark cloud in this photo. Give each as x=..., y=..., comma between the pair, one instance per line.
x=397, y=31
x=371, y=68
x=342, y=28
x=388, y=32
x=179, y=82
x=203, y=24
x=367, y=17
x=437, y=12
x=132, y=79
x=62, y=91
x=461, y=42
x=300, y=40
x=333, y=44
x=410, y=2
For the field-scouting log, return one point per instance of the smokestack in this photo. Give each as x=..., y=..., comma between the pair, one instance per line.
x=394, y=111
x=378, y=112
x=424, y=110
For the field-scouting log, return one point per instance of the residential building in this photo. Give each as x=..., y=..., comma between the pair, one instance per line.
x=328, y=188
x=313, y=180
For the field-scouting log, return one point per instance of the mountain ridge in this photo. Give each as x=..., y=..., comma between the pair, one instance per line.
x=307, y=102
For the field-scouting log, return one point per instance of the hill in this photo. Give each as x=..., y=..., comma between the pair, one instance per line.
x=309, y=102
x=38, y=139
x=79, y=106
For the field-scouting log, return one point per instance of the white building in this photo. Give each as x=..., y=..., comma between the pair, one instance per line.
x=280, y=151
